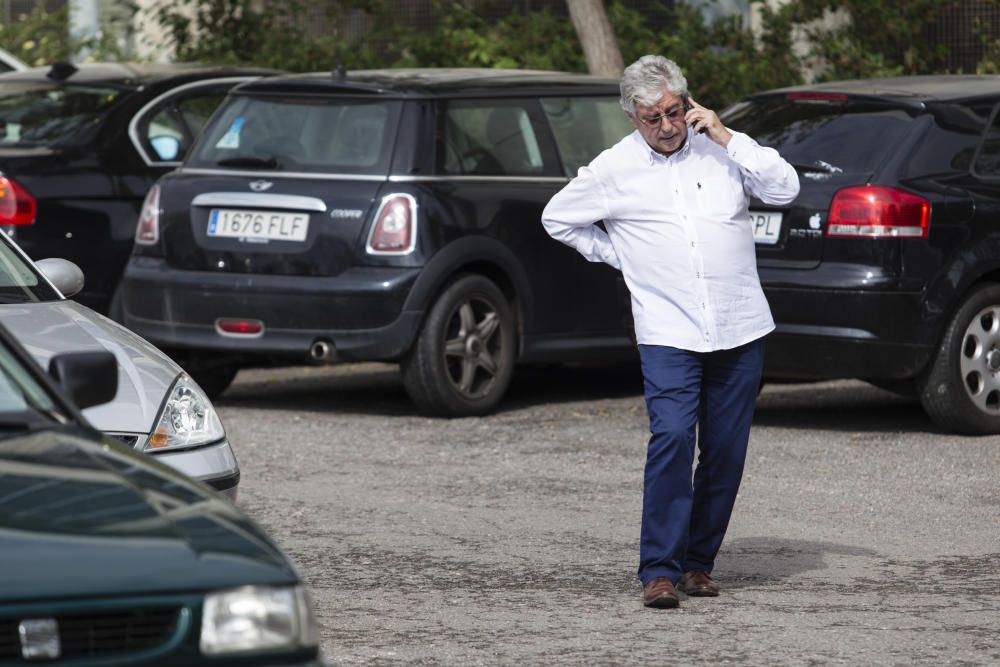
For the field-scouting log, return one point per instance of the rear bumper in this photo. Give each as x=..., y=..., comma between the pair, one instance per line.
x=796, y=355
x=828, y=334
x=361, y=311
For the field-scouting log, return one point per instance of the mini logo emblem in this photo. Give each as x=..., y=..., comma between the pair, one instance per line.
x=260, y=185
x=815, y=221
x=39, y=639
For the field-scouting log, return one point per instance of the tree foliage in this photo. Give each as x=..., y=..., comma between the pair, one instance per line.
x=41, y=37
x=875, y=37
x=463, y=37
x=264, y=34
x=723, y=60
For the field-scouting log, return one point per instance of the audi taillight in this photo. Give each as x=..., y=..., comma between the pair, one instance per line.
x=17, y=206
x=395, y=229
x=147, y=232
x=877, y=211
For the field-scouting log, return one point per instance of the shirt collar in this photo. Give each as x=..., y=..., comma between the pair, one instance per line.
x=653, y=156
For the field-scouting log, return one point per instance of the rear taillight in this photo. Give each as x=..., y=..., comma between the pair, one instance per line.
x=395, y=228
x=877, y=211
x=147, y=232
x=17, y=206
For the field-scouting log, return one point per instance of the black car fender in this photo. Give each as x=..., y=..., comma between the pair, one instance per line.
x=975, y=265
x=473, y=254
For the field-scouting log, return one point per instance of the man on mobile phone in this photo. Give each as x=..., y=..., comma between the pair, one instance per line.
x=674, y=198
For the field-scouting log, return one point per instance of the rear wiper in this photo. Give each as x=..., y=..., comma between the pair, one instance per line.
x=250, y=161
x=818, y=165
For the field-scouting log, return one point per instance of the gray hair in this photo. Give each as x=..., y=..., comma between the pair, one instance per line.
x=646, y=78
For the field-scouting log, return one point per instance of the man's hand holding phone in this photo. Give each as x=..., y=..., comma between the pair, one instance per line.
x=704, y=121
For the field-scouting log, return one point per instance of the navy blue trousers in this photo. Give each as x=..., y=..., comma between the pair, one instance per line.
x=708, y=396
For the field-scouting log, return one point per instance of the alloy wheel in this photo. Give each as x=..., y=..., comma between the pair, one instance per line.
x=980, y=360
x=473, y=346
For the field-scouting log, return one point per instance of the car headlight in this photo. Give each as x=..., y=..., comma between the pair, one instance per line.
x=255, y=618
x=186, y=419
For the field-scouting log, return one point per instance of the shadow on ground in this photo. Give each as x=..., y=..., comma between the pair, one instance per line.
x=843, y=405
x=377, y=389
x=749, y=562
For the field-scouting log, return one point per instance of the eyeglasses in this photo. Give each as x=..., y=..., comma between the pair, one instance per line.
x=654, y=121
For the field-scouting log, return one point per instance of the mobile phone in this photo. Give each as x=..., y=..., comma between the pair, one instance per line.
x=688, y=107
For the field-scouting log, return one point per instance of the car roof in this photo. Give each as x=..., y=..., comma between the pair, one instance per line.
x=133, y=73
x=433, y=82
x=920, y=88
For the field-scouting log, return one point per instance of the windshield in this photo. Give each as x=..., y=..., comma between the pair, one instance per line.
x=19, y=282
x=22, y=400
x=827, y=134
x=43, y=115
x=309, y=134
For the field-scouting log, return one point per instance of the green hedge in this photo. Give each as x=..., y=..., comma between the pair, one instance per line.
x=722, y=60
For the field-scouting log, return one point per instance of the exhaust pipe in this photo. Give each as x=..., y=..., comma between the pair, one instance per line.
x=322, y=351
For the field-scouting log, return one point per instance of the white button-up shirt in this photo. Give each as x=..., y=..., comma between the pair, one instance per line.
x=679, y=229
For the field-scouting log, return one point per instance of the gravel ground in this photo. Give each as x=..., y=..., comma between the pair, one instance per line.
x=862, y=535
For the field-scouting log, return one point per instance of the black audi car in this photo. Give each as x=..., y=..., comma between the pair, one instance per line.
x=382, y=215
x=887, y=265
x=81, y=145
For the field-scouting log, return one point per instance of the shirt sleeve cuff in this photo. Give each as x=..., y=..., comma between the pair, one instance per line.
x=739, y=146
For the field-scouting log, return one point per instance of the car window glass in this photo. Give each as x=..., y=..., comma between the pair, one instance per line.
x=36, y=115
x=18, y=282
x=847, y=135
x=170, y=131
x=949, y=144
x=18, y=390
x=987, y=162
x=166, y=135
x=335, y=135
x=584, y=126
x=490, y=139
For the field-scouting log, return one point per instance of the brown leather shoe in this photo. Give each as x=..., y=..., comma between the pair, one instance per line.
x=660, y=593
x=697, y=584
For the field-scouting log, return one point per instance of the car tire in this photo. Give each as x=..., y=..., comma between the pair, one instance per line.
x=463, y=359
x=961, y=388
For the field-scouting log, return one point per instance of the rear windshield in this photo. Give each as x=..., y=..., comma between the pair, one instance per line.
x=332, y=135
x=41, y=115
x=842, y=135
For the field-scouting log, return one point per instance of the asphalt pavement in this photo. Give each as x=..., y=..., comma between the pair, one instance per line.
x=862, y=534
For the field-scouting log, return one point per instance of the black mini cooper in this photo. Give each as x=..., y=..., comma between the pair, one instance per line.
x=382, y=215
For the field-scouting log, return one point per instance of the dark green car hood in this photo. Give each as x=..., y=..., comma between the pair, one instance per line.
x=84, y=517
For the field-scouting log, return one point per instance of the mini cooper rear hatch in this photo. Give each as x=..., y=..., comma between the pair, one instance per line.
x=382, y=215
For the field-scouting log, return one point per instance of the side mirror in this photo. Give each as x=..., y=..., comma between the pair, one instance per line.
x=167, y=147
x=88, y=378
x=64, y=274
